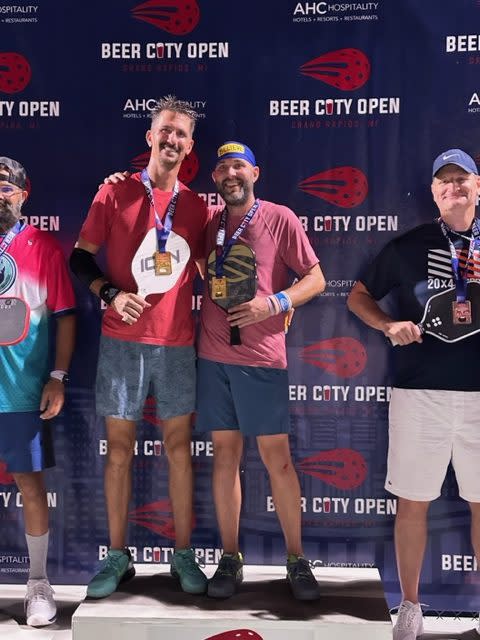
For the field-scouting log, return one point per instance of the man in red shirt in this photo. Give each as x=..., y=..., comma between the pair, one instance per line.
x=147, y=343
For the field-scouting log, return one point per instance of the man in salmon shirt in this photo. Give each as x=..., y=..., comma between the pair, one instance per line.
x=242, y=390
x=147, y=342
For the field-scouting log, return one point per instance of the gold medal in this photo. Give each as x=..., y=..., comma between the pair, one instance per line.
x=163, y=263
x=218, y=288
x=462, y=312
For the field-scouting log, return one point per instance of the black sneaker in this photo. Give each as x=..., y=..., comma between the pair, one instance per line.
x=227, y=577
x=301, y=579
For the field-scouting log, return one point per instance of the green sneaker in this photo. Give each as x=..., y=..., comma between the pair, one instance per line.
x=301, y=579
x=117, y=567
x=184, y=567
x=228, y=576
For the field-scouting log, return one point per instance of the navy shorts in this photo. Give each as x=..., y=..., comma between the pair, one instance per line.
x=130, y=371
x=26, y=442
x=233, y=397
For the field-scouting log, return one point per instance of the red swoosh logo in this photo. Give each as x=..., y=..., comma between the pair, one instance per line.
x=15, y=72
x=345, y=69
x=156, y=516
x=345, y=187
x=343, y=357
x=5, y=477
x=236, y=634
x=188, y=168
x=340, y=468
x=177, y=17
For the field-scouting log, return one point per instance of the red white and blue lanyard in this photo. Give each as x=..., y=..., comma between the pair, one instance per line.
x=461, y=275
x=222, y=249
x=163, y=229
x=7, y=240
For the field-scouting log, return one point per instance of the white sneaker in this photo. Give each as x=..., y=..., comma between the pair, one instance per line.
x=409, y=623
x=40, y=607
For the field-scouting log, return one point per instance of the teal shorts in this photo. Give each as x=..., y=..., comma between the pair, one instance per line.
x=230, y=397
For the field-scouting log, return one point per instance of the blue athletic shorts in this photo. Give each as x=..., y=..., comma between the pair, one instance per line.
x=26, y=442
x=128, y=372
x=233, y=397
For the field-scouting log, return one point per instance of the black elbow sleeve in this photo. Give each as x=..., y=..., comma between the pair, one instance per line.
x=83, y=265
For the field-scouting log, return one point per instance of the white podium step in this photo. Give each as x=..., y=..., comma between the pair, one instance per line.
x=152, y=607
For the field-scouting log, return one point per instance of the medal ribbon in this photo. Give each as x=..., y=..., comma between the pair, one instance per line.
x=7, y=240
x=163, y=229
x=460, y=275
x=223, y=249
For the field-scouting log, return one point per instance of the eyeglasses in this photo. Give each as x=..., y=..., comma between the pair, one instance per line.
x=8, y=192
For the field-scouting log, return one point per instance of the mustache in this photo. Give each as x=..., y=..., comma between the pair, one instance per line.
x=166, y=145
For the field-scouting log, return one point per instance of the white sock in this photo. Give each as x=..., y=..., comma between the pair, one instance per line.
x=37, y=550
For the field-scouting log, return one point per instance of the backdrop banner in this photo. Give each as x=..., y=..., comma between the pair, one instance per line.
x=345, y=105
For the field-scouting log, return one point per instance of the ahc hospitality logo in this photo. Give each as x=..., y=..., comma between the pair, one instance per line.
x=334, y=12
x=142, y=107
x=18, y=13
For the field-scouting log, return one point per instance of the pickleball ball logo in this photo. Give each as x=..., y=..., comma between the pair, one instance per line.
x=188, y=169
x=342, y=357
x=155, y=516
x=177, y=17
x=15, y=73
x=340, y=468
x=5, y=477
x=345, y=187
x=344, y=69
x=236, y=634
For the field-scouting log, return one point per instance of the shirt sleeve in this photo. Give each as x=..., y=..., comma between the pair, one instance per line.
x=60, y=296
x=295, y=247
x=97, y=224
x=382, y=275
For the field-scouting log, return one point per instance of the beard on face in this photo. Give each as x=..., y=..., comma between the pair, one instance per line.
x=9, y=214
x=237, y=198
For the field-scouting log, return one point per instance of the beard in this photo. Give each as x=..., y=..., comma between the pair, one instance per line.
x=9, y=215
x=236, y=198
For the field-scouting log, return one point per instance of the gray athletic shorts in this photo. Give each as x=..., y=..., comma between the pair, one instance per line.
x=129, y=371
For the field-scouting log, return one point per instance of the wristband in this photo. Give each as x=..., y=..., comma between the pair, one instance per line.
x=59, y=374
x=284, y=300
x=108, y=292
x=271, y=306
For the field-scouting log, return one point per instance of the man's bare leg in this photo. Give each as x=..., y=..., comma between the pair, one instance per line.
x=118, y=477
x=410, y=543
x=227, y=492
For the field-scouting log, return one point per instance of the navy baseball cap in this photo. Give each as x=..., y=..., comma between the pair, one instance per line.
x=457, y=157
x=234, y=149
